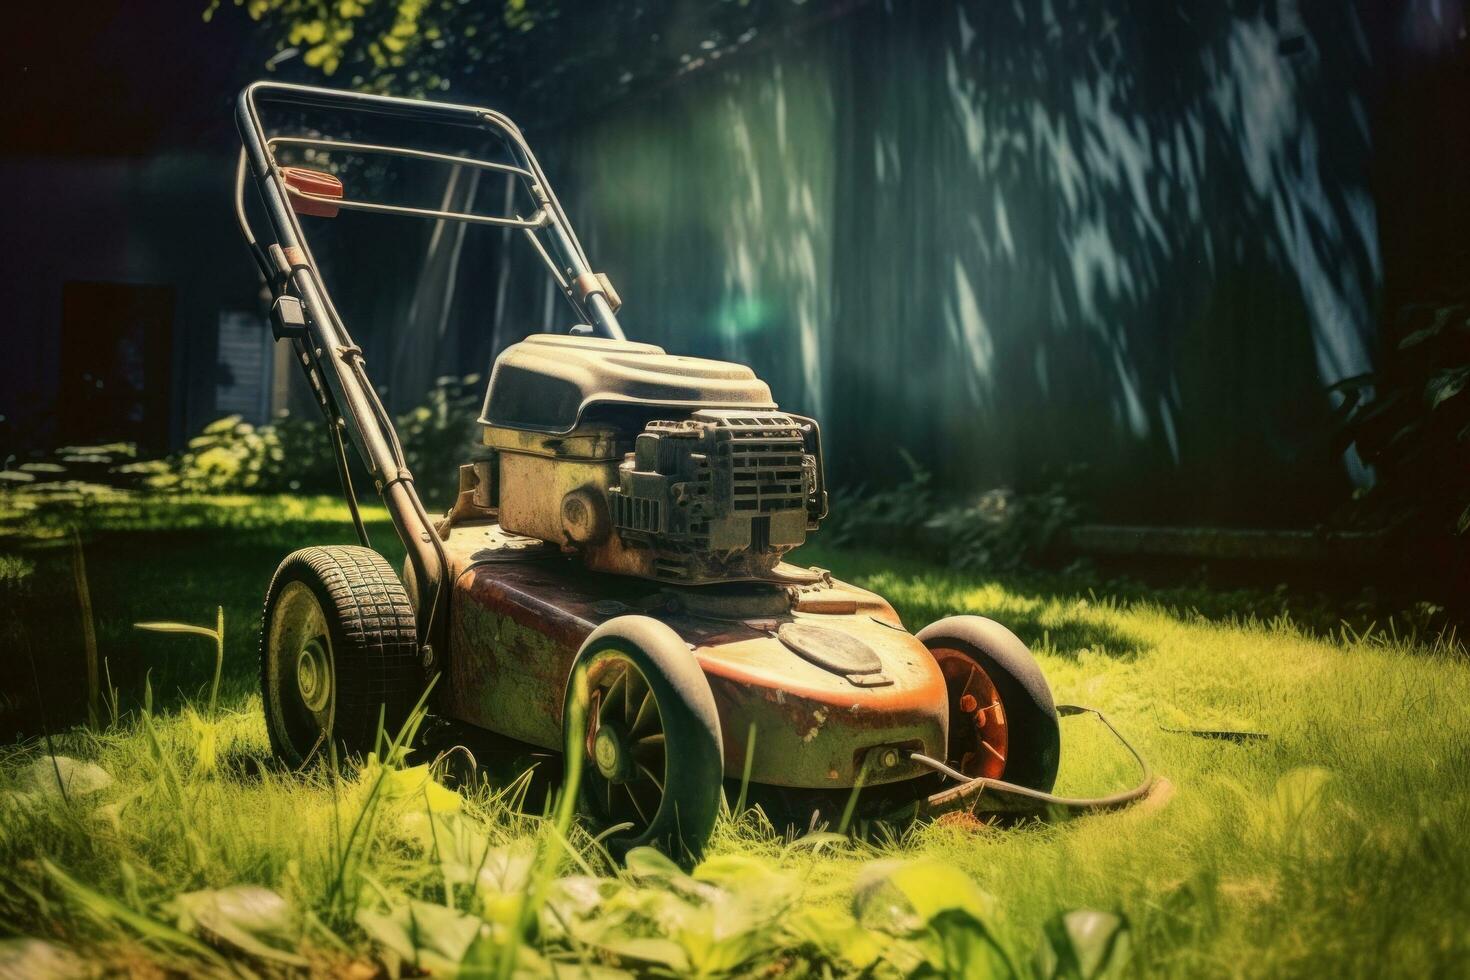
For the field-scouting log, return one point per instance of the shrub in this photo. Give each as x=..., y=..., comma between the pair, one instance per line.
x=441, y=434
x=1002, y=529
x=1411, y=422
x=228, y=455
x=294, y=454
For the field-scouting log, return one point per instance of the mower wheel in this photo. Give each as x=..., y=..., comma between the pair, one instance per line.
x=639, y=715
x=1002, y=722
x=338, y=646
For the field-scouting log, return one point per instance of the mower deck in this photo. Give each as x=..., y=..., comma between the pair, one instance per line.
x=520, y=610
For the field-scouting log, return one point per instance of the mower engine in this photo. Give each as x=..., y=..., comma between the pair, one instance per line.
x=678, y=469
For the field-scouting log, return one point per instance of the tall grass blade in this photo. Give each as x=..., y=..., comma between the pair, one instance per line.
x=217, y=635
x=89, y=629
x=745, y=774
x=852, y=798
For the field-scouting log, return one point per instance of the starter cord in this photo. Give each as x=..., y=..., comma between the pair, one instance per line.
x=1019, y=797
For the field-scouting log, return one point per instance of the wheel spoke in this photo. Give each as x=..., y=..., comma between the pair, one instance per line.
x=628, y=787
x=652, y=778
x=612, y=700
x=650, y=796
x=649, y=751
x=633, y=693
x=647, y=711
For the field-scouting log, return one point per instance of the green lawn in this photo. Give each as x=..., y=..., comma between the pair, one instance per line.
x=1334, y=847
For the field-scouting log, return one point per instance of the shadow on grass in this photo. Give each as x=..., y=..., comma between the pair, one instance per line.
x=178, y=558
x=139, y=567
x=1060, y=616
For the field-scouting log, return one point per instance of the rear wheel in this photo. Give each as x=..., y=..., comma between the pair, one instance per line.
x=640, y=714
x=1002, y=721
x=338, y=648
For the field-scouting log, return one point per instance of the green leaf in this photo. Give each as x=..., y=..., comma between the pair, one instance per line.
x=1446, y=385
x=660, y=952
x=1293, y=804
x=1082, y=944
x=107, y=909
x=837, y=935
x=747, y=875
x=904, y=896
x=958, y=945
x=254, y=920
x=67, y=776
x=1298, y=793
x=40, y=960
x=570, y=901
x=1418, y=337
x=645, y=862
x=417, y=785
x=177, y=628
x=431, y=937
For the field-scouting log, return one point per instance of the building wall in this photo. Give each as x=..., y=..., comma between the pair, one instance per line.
x=164, y=221
x=1008, y=238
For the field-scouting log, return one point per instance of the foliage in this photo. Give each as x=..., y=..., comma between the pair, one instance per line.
x=1411, y=421
x=441, y=434
x=1000, y=530
x=532, y=48
x=233, y=456
x=154, y=858
x=1004, y=529
x=295, y=454
x=855, y=511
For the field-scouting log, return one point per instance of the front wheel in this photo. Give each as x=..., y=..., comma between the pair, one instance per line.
x=640, y=715
x=338, y=652
x=1002, y=722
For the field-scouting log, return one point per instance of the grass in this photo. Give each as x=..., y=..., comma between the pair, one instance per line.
x=1332, y=847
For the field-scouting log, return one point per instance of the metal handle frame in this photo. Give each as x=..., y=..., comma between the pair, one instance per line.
x=332, y=362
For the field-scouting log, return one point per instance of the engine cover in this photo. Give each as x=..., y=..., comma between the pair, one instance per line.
x=721, y=494
x=670, y=468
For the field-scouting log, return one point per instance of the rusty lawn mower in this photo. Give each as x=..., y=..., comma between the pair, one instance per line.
x=611, y=580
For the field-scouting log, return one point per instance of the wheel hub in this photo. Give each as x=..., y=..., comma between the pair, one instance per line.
x=609, y=753
x=313, y=675
x=979, y=737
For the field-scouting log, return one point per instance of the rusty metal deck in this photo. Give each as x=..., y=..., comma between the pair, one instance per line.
x=519, y=611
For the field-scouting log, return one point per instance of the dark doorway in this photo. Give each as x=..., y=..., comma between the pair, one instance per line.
x=115, y=379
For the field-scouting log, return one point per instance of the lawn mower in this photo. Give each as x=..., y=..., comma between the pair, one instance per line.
x=612, y=579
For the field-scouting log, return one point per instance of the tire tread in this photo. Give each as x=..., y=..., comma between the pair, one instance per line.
x=375, y=638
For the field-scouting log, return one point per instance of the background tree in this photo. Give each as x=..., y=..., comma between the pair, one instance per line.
x=549, y=56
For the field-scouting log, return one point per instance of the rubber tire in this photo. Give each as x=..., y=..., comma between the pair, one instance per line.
x=694, y=779
x=372, y=648
x=1033, y=732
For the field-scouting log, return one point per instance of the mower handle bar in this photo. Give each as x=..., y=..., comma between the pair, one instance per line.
x=537, y=220
x=333, y=363
x=566, y=260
